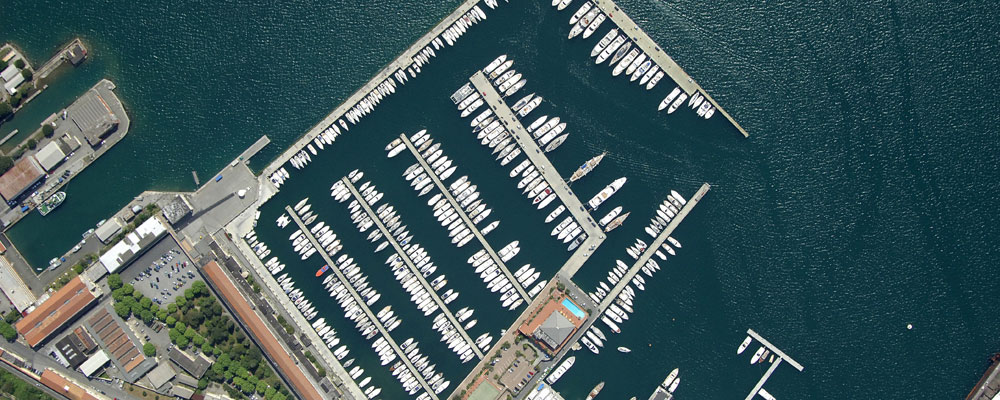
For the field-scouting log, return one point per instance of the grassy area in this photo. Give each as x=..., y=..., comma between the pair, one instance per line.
x=13, y=387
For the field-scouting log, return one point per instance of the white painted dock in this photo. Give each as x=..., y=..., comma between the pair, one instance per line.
x=595, y=235
x=465, y=217
x=646, y=255
x=361, y=302
x=413, y=268
x=627, y=26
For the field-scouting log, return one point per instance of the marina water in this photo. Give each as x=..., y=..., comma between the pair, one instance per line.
x=864, y=199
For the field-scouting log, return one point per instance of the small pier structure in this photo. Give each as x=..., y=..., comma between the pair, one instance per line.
x=759, y=388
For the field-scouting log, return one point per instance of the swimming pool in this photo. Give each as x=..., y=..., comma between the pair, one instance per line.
x=573, y=308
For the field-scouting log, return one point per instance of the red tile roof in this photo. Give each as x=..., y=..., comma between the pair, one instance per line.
x=61, y=307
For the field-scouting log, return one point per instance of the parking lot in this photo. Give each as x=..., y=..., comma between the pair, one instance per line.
x=161, y=273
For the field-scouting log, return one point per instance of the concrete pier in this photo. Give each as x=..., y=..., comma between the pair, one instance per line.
x=361, y=302
x=400, y=63
x=413, y=268
x=653, y=50
x=645, y=256
x=595, y=235
x=465, y=217
x=781, y=357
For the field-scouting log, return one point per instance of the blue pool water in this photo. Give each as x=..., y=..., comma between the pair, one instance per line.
x=573, y=308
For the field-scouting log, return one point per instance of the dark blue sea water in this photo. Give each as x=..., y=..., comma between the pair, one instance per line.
x=861, y=202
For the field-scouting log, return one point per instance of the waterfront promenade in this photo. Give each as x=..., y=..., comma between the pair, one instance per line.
x=595, y=236
x=627, y=26
x=360, y=301
x=465, y=217
x=413, y=268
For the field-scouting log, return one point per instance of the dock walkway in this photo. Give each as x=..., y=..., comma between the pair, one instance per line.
x=595, y=235
x=645, y=256
x=781, y=357
x=465, y=217
x=664, y=61
x=413, y=268
x=361, y=302
x=400, y=63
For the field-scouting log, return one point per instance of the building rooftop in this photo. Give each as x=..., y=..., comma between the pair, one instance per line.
x=176, y=209
x=50, y=155
x=49, y=316
x=121, y=346
x=72, y=350
x=196, y=366
x=58, y=383
x=76, y=54
x=160, y=375
x=93, y=117
x=555, y=330
x=25, y=173
x=287, y=366
x=108, y=229
x=10, y=72
x=13, y=83
x=182, y=391
x=132, y=245
x=94, y=363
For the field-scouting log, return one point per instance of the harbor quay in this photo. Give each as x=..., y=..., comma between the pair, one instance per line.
x=361, y=303
x=758, y=389
x=400, y=63
x=465, y=217
x=90, y=127
x=595, y=236
x=660, y=57
x=413, y=268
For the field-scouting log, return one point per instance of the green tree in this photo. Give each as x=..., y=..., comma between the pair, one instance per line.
x=146, y=302
x=32, y=143
x=27, y=74
x=78, y=268
x=48, y=130
x=5, y=109
x=118, y=295
x=19, y=63
x=7, y=331
x=128, y=289
x=148, y=349
x=171, y=321
x=193, y=318
x=261, y=387
x=171, y=308
x=123, y=310
x=147, y=317
x=114, y=281
x=190, y=333
x=5, y=161
x=189, y=294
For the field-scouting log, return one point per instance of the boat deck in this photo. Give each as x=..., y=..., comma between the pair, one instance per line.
x=656, y=53
x=413, y=268
x=361, y=302
x=595, y=235
x=465, y=217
